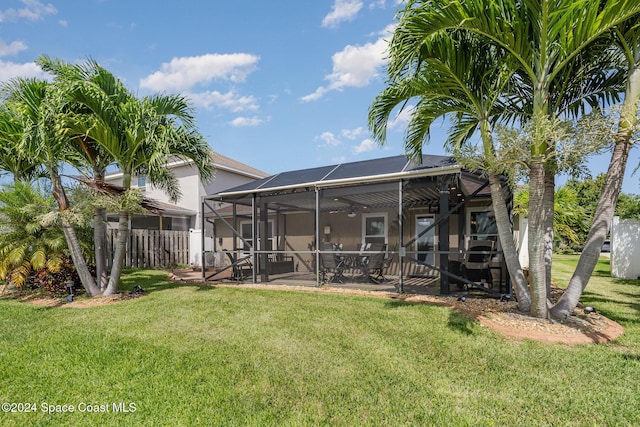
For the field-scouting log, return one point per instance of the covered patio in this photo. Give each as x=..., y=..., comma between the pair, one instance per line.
x=386, y=223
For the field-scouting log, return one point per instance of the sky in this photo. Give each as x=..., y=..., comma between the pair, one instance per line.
x=278, y=85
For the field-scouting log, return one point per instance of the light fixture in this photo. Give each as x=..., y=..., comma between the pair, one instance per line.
x=351, y=214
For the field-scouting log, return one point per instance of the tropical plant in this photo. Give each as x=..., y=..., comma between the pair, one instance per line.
x=551, y=44
x=45, y=140
x=26, y=244
x=12, y=160
x=628, y=206
x=570, y=216
x=442, y=75
x=138, y=135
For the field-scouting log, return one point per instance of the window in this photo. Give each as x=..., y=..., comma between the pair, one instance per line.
x=142, y=182
x=425, y=244
x=374, y=228
x=245, y=231
x=481, y=224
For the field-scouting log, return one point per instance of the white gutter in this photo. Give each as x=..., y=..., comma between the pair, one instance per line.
x=443, y=170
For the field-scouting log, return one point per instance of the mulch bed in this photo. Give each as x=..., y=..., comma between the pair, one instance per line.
x=501, y=316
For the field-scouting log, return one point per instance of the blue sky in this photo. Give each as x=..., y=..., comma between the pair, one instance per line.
x=278, y=84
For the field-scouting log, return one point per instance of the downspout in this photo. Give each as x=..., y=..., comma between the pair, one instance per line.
x=254, y=239
x=202, y=256
x=317, y=236
x=401, y=248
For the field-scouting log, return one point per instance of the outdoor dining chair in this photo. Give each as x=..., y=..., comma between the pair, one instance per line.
x=477, y=261
x=331, y=263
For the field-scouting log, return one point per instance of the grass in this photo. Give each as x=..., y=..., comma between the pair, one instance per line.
x=197, y=355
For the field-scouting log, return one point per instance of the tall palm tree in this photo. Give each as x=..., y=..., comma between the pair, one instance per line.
x=443, y=79
x=544, y=38
x=626, y=38
x=79, y=82
x=138, y=135
x=45, y=141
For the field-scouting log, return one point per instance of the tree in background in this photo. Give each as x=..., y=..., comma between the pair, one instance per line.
x=571, y=219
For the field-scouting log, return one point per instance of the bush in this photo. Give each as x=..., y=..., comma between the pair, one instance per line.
x=55, y=283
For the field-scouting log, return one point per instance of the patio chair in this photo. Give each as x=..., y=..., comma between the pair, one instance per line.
x=331, y=263
x=242, y=267
x=387, y=259
x=477, y=261
x=372, y=263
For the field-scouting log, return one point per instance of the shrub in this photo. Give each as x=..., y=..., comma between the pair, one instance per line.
x=55, y=283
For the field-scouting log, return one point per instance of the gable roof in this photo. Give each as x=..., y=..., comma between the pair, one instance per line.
x=229, y=164
x=219, y=161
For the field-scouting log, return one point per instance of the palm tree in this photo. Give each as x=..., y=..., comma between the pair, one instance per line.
x=544, y=39
x=25, y=244
x=626, y=37
x=12, y=160
x=139, y=135
x=80, y=82
x=443, y=78
x=45, y=141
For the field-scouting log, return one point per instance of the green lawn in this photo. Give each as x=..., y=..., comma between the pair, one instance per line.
x=194, y=355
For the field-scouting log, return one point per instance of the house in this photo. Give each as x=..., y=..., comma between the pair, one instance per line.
x=427, y=216
x=185, y=214
x=173, y=236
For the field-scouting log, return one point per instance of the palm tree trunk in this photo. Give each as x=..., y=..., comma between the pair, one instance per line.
x=100, y=246
x=603, y=215
x=100, y=236
x=548, y=207
x=509, y=249
x=536, y=239
x=72, y=239
x=118, y=257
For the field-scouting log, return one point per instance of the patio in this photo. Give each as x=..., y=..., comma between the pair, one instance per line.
x=399, y=208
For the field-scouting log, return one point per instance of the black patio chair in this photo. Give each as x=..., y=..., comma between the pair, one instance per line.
x=387, y=260
x=331, y=263
x=242, y=267
x=477, y=261
x=371, y=262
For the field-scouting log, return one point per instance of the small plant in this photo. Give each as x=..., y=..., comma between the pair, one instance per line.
x=54, y=283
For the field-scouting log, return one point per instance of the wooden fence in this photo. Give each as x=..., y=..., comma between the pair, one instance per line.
x=152, y=248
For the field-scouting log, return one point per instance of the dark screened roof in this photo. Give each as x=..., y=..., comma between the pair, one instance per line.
x=343, y=171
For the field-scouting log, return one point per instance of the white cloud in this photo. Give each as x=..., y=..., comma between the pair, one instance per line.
x=12, y=48
x=9, y=70
x=246, y=121
x=365, y=146
x=230, y=101
x=63, y=23
x=186, y=72
x=343, y=10
x=33, y=11
x=354, y=66
x=352, y=133
x=377, y=4
x=329, y=139
x=402, y=118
